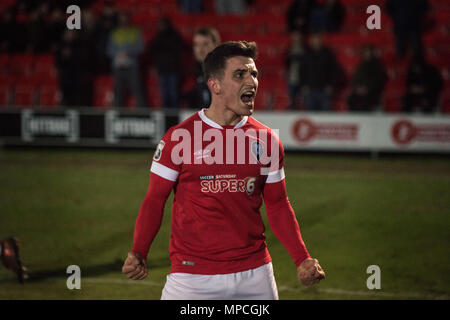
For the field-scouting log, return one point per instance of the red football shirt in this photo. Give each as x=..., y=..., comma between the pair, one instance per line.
x=218, y=174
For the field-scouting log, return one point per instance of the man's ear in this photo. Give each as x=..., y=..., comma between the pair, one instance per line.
x=214, y=85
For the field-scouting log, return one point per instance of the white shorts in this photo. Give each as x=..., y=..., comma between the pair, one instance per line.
x=253, y=284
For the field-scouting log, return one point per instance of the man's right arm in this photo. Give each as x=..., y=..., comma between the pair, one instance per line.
x=147, y=226
x=150, y=214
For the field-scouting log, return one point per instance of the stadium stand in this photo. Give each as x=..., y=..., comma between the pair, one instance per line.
x=31, y=79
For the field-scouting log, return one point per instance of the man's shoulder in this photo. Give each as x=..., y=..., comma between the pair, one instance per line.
x=257, y=125
x=252, y=122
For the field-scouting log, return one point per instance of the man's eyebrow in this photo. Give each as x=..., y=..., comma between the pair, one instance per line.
x=245, y=70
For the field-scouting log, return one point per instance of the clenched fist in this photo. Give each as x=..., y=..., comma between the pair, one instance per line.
x=310, y=272
x=134, y=266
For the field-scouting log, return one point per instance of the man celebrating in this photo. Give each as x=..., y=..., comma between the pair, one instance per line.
x=217, y=246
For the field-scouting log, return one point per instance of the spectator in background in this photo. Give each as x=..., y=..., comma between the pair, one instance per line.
x=20, y=17
x=166, y=49
x=88, y=43
x=9, y=32
x=191, y=6
x=107, y=21
x=327, y=16
x=295, y=60
x=70, y=69
x=231, y=6
x=319, y=75
x=408, y=20
x=37, y=29
x=298, y=15
x=205, y=39
x=56, y=28
x=423, y=86
x=124, y=47
x=368, y=82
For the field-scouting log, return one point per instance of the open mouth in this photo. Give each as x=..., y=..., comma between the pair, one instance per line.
x=248, y=96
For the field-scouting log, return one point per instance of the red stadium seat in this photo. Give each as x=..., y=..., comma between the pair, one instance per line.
x=153, y=92
x=44, y=67
x=445, y=99
x=264, y=23
x=230, y=24
x=272, y=94
x=130, y=101
x=25, y=94
x=394, y=91
x=103, y=92
x=201, y=20
x=6, y=90
x=4, y=64
x=49, y=95
x=22, y=64
x=348, y=62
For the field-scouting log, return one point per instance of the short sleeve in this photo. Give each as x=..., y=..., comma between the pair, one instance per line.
x=276, y=170
x=163, y=164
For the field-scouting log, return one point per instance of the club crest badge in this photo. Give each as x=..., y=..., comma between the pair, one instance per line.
x=158, y=151
x=257, y=150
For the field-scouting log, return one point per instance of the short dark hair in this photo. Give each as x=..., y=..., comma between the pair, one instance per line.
x=208, y=32
x=215, y=61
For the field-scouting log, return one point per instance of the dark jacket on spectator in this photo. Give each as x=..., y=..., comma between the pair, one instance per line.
x=166, y=50
x=320, y=68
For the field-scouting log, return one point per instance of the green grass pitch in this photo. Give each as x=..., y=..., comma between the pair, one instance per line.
x=79, y=207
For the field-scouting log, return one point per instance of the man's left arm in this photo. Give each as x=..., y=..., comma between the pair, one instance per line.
x=284, y=225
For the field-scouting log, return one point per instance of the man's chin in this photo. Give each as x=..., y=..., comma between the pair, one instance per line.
x=248, y=109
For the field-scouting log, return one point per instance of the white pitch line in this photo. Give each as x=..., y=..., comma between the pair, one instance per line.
x=123, y=281
x=373, y=293
x=291, y=289
x=369, y=293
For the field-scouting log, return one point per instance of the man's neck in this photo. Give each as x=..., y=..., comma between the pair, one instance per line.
x=222, y=116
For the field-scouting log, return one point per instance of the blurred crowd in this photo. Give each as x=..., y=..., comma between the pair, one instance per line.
x=109, y=44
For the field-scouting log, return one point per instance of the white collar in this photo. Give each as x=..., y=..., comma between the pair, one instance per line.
x=213, y=124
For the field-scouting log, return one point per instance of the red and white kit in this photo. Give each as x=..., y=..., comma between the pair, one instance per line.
x=218, y=191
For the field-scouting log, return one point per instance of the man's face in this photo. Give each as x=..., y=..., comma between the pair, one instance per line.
x=239, y=85
x=202, y=45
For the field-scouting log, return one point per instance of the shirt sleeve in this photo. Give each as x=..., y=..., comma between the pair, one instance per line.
x=276, y=168
x=163, y=175
x=164, y=163
x=150, y=214
x=280, y=214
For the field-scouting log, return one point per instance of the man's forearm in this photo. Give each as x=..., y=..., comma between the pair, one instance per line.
x=283, y=222
x=150, y=214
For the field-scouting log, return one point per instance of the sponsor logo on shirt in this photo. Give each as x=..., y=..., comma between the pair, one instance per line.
x=202, y=154
x=216, y=185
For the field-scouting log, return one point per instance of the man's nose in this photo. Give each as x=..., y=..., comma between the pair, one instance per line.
x=251, y=81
